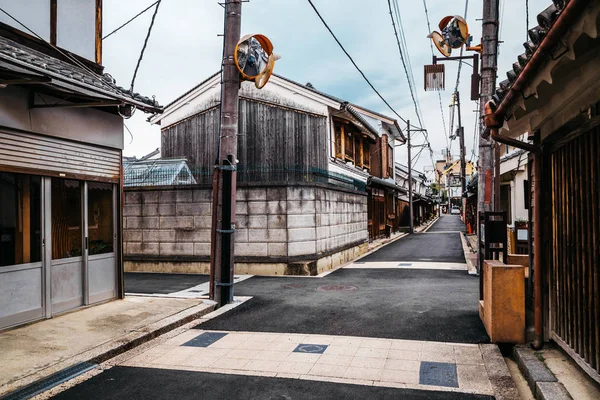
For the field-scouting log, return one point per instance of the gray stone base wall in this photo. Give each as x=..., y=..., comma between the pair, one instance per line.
x=279, y=229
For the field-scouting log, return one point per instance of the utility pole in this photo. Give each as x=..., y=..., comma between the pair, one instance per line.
x=410, y=194
x=224, y=207
x=461, y=131
x=489, y=44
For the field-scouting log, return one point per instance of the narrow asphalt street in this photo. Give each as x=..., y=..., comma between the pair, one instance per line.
x=393, y=324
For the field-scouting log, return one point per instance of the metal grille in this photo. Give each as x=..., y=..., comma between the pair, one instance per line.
x=575, y=252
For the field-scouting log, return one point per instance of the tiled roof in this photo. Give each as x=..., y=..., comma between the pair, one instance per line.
x=545, y=21
x=16, y=54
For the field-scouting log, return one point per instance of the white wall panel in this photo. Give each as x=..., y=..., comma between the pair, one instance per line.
x=34, y=14
x=76, y=27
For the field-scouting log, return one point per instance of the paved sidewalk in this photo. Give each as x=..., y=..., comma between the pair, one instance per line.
x=449, y=367
x=33, y=352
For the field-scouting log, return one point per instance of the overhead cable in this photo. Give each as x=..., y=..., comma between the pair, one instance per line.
x=354, y=63
x=127, y=23
x=145, y=44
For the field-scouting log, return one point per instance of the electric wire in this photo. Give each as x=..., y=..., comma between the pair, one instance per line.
x=145, y=44
x=526, y=20
x=127, y=23
x=354, y=63
x=410, y=87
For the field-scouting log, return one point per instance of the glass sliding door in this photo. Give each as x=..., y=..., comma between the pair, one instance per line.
x=101, y=261
x=67, y=272
x=21, y=272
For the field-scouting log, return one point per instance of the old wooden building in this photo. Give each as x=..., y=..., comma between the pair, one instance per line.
x=61, y=140
x=291, y=132
x=552, y=98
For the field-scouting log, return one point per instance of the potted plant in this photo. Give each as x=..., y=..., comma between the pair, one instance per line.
x=520, y=223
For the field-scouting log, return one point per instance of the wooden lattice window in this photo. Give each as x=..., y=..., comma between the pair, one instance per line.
x=366, y=160
x=349, y=146
x=338, y=140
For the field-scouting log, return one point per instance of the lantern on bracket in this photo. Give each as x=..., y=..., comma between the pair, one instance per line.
x=254, y=59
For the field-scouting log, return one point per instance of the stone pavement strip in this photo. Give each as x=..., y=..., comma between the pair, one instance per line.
x=449, y=367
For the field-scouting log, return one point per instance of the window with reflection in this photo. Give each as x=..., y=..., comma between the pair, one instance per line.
x=100, y=218
x=66, y=218
x=20, y=219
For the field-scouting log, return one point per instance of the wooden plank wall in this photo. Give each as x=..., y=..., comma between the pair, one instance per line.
x=270, y=137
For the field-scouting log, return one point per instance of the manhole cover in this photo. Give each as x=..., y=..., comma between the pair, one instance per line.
x=337, y=288
x=292, y=285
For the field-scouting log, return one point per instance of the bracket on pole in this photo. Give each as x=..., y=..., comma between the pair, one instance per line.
x=475, y=77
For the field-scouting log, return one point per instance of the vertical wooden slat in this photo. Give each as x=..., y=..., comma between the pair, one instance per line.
x=53, y=21
x=595, y=191
x=587, y=248
x=577, y=189
x=99, y=31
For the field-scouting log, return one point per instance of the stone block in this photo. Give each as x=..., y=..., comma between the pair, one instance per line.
x=165, y=210
x=276, y=207
x=176, y=249
x=204, y=222
x=167, y=196
x=177, y=222
x=276, y=194
x=551, y=391
x=158, y=235
x=150, y=209
x=302, y=234
x=251, y=249
x=198, y=235
x=255, y=194
x=300, y=207
x=277, y=221
x=302, y=248
x=150, y=196
x=202, y=209
x=132, y=210
x=267, y=235
x=141, y=223
x=132, y=235
x=257, y=221
x=241, y=235
x=531, y=367
x=323, y=232
x=202, y=249
x=277, y=249
x=132, y=197
x=257, y=207
x=300, y=193
x=241, y=221
x=143, y=248
x=241, y=207
x=202, y=195
x=184, y=196
x=301, y=221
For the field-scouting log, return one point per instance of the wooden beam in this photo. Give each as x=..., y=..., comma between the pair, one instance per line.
x=80, y=105
x=53, y=13
x=99, y=31
x=343, y=134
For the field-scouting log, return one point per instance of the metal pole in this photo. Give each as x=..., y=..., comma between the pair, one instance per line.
x=224, y=223
x=489, y=44
x=463, y=174
x=410, y=193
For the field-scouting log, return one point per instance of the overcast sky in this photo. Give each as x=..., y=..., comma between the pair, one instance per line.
x=184, y=49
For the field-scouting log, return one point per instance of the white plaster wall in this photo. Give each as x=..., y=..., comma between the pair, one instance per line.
x=76, y=26
x=34, y=14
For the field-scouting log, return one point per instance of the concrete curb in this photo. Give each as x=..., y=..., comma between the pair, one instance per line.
x=117, y=345
x=467, y=250
x=540, y=379
x=502, y=382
